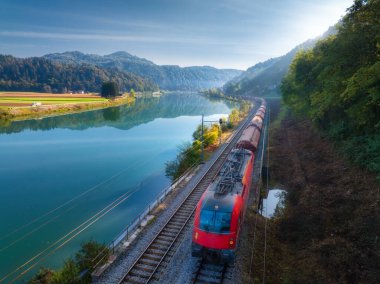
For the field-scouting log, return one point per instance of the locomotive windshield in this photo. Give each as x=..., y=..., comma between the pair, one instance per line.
x=215, y=222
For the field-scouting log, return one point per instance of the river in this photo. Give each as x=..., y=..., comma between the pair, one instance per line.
x=57, y=173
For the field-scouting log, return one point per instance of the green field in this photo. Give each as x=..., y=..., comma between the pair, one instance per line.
x=49, y=100
x=20, y=99
x=20, y=105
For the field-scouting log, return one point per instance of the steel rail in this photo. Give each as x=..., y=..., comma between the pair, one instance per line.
x=210, y=275
x=198, y=189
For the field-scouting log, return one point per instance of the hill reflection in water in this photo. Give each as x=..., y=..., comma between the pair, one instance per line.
x=127, y=116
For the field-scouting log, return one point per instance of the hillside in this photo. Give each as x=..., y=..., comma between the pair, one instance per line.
x=327, y=230
x=336, y=85
x=167, y=77
x=325, y=152
x=43, y=75
x=264, y=78
x=329, y=138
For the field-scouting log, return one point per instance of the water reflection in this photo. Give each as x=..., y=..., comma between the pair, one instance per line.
x=125, y=117
x=273, y=203
x=111, y=114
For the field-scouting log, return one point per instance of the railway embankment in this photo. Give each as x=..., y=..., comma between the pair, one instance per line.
x=185, y=269
x=328, y=230
x=116, y=270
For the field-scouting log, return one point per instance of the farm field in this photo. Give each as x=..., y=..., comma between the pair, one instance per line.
x=29, y=105
x=24, y=99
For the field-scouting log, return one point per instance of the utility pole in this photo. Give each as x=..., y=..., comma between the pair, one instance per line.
x=202, y=140
x=202, y=132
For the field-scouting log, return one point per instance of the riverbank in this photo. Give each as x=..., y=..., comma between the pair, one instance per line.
x=22, y=106
x=327, y=232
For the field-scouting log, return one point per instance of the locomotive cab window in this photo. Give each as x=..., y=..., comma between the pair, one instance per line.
x=215, y=222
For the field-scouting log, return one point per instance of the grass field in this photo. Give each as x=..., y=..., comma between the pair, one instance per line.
x=24, y=99
x=18, y=105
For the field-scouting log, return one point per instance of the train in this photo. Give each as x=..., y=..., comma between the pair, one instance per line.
x=220, y=211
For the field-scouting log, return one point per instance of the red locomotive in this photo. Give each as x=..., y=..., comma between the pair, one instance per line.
x=220, y=211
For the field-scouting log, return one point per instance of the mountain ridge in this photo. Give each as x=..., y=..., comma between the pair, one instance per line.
x=167, y=77
x=43, y=75
x=264, y=78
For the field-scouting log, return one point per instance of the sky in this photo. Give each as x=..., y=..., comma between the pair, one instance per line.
x=220, y=33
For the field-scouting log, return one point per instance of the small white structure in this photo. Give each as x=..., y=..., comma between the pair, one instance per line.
x=36, y=104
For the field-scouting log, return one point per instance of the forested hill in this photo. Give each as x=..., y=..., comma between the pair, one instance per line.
x=264, y=78
x=168, y=77
x=43, y=75
x=337, y=84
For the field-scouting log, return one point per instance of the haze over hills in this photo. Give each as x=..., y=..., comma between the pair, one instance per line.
x=264, y=78
x=167, y=77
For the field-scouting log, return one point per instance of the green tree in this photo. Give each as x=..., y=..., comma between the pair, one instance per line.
x=197, y=134
x=109, y=89
x=91, y=253
x=212, y=135
x=234, y=116
x=244, y=108
x=171, y=169
x=68, y=274
x=43, y=276
x=133, y=93
x=337, y=84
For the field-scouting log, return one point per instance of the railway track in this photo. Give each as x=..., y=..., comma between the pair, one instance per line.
x=210, y=273
x=160, y=250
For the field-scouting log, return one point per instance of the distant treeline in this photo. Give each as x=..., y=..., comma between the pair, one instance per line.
x=337, y=84
x=43, y=75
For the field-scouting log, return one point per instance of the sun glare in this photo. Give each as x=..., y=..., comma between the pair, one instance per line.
x=319, y=18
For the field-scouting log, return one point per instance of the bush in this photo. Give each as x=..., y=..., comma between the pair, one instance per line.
x=43, y=276
x=109, y=89
x=90, y=254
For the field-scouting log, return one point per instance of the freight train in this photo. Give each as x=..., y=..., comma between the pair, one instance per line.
x=220, y=211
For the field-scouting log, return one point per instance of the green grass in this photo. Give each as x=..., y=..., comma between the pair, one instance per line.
x=53, y=105
x=46, y=100
x=37, y=93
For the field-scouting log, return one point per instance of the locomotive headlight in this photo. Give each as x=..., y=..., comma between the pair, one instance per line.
x=196, y=235
x=231, y=242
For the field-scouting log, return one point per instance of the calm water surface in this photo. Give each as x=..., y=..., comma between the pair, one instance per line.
x=61, y=174
x=275, y=198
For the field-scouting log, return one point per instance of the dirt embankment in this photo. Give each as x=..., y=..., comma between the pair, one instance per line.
x=329, y=230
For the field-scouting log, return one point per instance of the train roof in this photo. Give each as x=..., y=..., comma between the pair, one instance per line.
x=234, y=167
x=221, y=193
